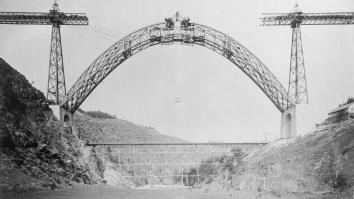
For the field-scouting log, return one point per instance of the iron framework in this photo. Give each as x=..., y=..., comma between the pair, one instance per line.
x=330, y=18
x=43, y=18
x=297, y=87
x=184, y=32
x=56, y=77
x=140, y=164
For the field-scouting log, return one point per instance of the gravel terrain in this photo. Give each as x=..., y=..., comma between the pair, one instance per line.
x=110, y=192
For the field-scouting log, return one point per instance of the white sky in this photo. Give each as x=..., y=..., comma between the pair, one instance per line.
x=219, y=102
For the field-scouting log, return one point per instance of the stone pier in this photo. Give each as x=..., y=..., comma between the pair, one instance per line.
x=288, y=127
x=62, y=114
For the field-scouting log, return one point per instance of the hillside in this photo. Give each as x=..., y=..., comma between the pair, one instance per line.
x=36, y=151
x=95, y=129
x=317, y=165
x=318, y=162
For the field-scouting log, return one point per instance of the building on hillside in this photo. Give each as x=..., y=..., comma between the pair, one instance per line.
x=341, y=113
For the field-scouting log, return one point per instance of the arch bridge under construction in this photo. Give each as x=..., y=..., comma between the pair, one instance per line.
x=179, y=30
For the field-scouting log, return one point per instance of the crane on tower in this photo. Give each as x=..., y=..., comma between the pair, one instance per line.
x=297, y=78
x=56, y=78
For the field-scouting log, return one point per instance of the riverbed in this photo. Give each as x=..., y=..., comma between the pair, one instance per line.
x=111, y=192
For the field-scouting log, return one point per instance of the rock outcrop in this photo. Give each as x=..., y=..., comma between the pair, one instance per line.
x=36, y=151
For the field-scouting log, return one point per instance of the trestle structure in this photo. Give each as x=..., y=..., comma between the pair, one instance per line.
x=183, y=164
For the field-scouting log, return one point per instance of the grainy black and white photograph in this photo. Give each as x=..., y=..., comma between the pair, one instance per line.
x=176, y=99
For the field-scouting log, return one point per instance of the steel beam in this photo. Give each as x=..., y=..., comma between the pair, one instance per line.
x=43, y=18
x=330, y=18
x=171, y=143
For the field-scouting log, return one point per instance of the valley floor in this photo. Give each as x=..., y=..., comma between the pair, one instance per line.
x=110, y=192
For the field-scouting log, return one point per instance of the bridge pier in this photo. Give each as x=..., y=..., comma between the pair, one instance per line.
x=62, y=114
x=288, y=127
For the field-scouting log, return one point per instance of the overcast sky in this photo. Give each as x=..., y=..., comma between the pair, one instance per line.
x=217, y=101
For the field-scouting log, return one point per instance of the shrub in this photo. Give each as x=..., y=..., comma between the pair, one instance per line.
x=191, y=178
x=340, y=182
x=225, y=166
x=349, y=100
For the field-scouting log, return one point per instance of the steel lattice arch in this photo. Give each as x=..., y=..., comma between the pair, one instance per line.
x=173, y=31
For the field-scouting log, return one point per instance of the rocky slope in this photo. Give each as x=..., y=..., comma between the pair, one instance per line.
x=36, y=151
x=317, y=162
x=317, y=165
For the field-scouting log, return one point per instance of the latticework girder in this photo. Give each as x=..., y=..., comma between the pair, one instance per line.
x=297, y=75
x=43, y=18
x=56, y=76
x=141, y=164
x=331, y=18
x=169, y=33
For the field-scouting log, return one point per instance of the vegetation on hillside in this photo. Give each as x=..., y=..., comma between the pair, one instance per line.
x=98, y=114
x=349, y=100
x=223, y=168
x=94, y=129
x=319, y=161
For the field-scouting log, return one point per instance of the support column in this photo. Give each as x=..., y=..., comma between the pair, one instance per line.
x=297, y=77
x=288, y=127
x=56, y=78
x=150, y=167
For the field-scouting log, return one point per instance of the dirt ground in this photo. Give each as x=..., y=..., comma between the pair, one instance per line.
x=109, y=192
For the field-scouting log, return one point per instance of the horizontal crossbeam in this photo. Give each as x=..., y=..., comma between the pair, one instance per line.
x=334, y=18
x=43, y=18
x=172, y=143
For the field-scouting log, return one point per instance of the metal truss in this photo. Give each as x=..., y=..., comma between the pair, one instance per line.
x=331, y=18
x=184, y=32
x=56, y=76
x=140, y=164
x=297, y=87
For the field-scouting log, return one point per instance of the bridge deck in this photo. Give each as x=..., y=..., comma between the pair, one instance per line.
x=172, y=143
